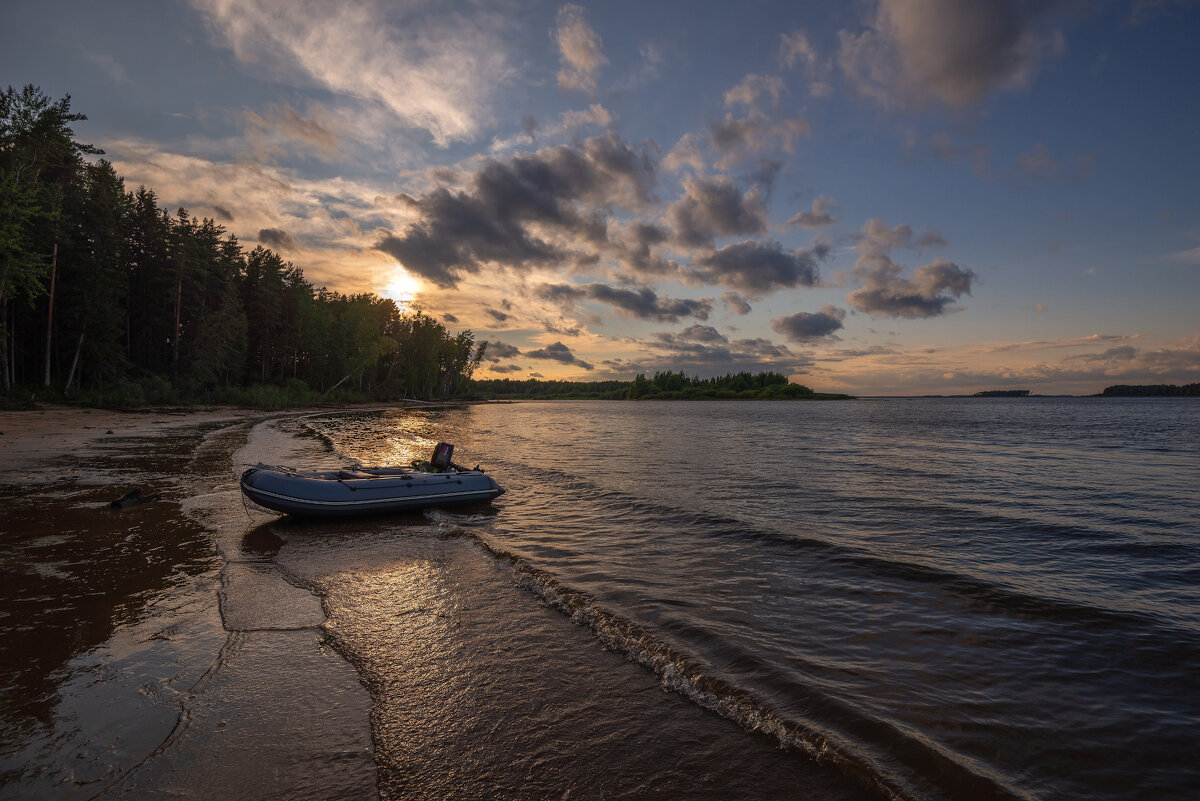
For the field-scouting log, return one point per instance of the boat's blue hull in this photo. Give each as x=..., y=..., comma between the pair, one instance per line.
x=344, y=493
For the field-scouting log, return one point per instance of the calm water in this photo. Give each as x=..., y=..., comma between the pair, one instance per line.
x=938, y=598
x=915, y=599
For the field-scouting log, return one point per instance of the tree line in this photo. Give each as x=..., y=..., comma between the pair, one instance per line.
x=107, y=297
x=1152, y=390
x=663, y=385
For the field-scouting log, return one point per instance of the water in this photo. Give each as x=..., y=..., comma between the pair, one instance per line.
x=942, y=598
x=915, y=599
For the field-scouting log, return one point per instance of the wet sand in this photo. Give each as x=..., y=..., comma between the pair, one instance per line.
x=193, y=648
x=151, y=651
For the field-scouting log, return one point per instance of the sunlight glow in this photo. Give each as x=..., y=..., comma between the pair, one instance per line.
x=403, y=287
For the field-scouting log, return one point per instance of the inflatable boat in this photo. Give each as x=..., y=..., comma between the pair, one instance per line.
x=369, y=490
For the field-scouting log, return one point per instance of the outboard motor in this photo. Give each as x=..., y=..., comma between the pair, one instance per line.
x=441, y=457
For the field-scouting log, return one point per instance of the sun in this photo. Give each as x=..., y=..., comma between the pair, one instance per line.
x=403, y=287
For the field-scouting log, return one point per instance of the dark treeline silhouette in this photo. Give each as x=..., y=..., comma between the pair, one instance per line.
x=662, y=386
x=1151, y=390
x=1002, y=393
x=108, y=298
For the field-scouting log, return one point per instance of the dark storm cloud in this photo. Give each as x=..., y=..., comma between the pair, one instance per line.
x=712, y=208
x=643, y=303
x=541, y=208
x=806, y=326
x=276, y=238
x=558, y=352
x=758, y=268
x=497, y=350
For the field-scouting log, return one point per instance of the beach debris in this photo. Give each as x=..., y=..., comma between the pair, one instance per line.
x=133, y=498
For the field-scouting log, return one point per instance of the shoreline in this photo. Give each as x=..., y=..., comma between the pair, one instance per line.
x=158, y=649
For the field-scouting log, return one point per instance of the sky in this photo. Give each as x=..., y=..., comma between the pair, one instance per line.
x=884, y=197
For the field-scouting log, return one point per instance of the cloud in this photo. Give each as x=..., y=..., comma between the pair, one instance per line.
x=819, y=216
x=956, y=53
x=595, y=114
x=280, y=123
x=558, y=352
x=797, y=52
x=642, y=303
x=804, y=327
x=1038, y=164
x=329, y=219
x=758, y=268
x=110, y=66
x=704, y=348
x=753, y=88
x=434, y=72
x=685, y=153
x=943, y=147
x=736, y=302
x=702, y=333
x=497, y=350
x=1191, y=255
x=505, y=368
x=496, y=314
x=712, y=208
x=738, y=137
x=877, y=236
x=580, y=48
x=929, y=293
x=542, y=208
x=277, y=239
x=1122, y=353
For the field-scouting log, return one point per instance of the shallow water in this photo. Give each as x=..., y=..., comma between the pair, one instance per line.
x=939, y=598
x=936, y=598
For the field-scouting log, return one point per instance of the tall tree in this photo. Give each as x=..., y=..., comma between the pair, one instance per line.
x=39, y=154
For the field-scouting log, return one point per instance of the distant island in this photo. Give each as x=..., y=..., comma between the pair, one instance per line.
x=1002, y=393
x=1151, y=390
x=666, y=385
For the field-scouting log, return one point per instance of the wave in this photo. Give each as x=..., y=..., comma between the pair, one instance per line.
x=845, y=744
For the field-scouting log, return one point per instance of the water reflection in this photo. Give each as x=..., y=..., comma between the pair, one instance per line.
x=75, y=570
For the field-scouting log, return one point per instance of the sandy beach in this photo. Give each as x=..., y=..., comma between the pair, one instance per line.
x=155, y=653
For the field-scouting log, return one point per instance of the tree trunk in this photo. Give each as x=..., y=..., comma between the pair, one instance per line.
x=7, y=344
x=74, y=363
x=50, y=311
x=178, y=310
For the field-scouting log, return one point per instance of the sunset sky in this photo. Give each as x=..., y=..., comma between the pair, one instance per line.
x=894, y=197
